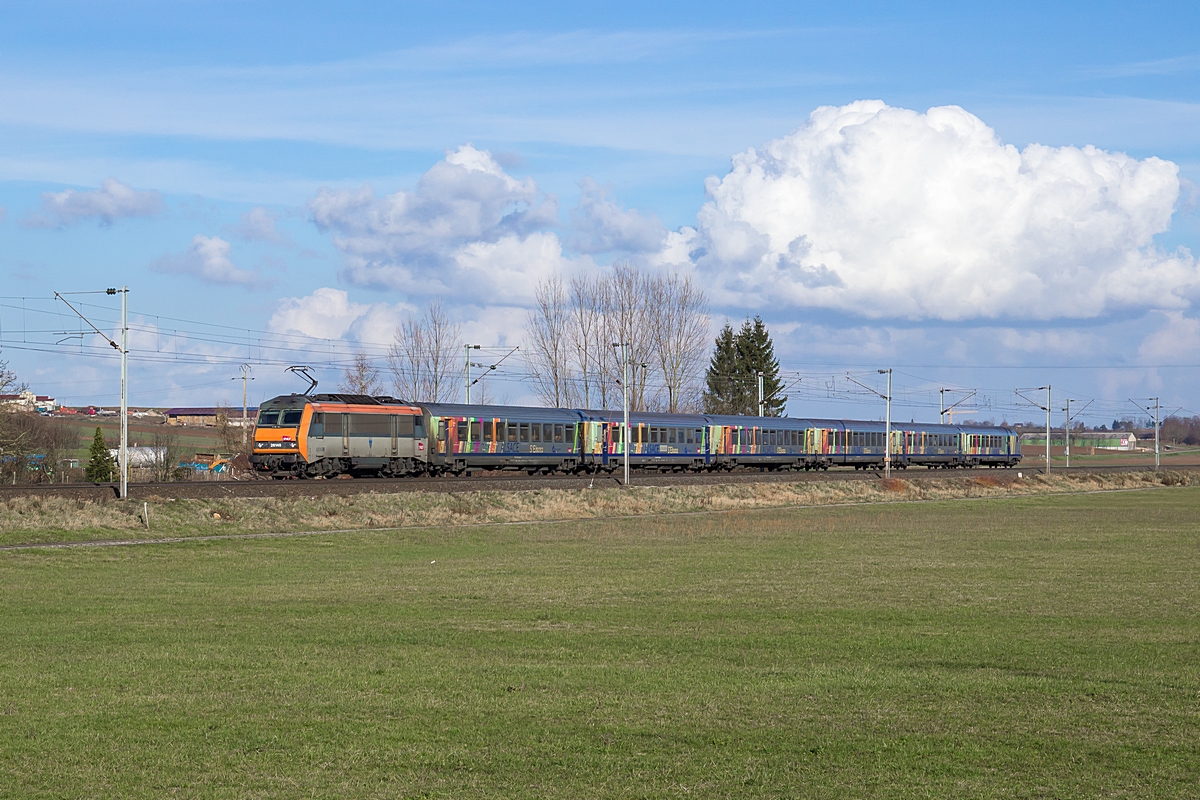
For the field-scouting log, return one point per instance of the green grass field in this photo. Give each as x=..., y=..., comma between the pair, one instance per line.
x=1034, y=647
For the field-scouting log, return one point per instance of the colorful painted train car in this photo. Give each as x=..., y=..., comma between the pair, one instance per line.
x=335, y=434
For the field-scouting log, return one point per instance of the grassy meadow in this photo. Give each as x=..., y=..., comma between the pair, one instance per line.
x=1044, y=646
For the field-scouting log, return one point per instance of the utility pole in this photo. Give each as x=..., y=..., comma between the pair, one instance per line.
x=887, y=436
x=124, y=292
x=761, y=410
x=942, y=405
x=246, y=369
x=1157, y=461
x=625, y=378
x=625, y=430
x=1045, y=408
x=467, y=381
x=123, y=349
x=950, y=410
x=1067, y=434
x=1047, y=387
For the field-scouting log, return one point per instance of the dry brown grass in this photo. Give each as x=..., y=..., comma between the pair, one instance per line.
x=32, y=519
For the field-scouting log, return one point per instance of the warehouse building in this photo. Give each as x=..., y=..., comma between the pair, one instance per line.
x=1099, y=440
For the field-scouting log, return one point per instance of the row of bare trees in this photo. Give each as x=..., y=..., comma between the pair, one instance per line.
x=572, y=330
x=422, y=360
x=31, y=446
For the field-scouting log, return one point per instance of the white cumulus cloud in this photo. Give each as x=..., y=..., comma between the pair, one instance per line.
x=886, y=212
x=208, y=259
x=1174, y=342
x=602, y=226
x=466, y=217
x=112, y=201
x=324, y=314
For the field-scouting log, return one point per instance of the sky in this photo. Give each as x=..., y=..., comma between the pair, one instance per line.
x=977, y=197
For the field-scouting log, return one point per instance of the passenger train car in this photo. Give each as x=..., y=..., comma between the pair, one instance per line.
x=334, y=434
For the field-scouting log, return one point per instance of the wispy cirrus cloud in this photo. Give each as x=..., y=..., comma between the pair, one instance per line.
x=1158, y=66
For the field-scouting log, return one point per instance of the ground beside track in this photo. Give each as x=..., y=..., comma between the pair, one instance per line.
x=1019, y=647
x=518, y=481
x=65, y=519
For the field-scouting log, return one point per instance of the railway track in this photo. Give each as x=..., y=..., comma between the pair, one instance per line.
x=495, y=481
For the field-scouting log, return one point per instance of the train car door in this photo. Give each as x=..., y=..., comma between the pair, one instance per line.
x=395, y=435
x=345, y=434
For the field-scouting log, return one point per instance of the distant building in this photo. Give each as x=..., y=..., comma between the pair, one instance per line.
x=140, y=456
x=1101, y=440
x=201, y=416
x=28, y=401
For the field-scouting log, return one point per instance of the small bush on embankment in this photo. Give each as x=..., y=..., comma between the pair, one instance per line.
x=41, y=520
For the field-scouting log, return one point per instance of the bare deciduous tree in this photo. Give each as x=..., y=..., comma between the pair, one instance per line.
x=549, y=330
x=680, y=340
x=663, y=319
x=167, y=452
x=629, y=315
x=8, y=380
x=587, y=337
x=422, y=357
x=361, y=377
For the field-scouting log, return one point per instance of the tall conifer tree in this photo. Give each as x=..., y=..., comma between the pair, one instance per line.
x=101, y=465
x=732, y=377
x=724, y=386
x=757, y=354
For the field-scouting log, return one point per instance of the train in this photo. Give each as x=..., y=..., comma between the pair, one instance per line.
x=328, y=435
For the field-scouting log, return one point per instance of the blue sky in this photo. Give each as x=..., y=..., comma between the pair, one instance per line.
x=208, y=111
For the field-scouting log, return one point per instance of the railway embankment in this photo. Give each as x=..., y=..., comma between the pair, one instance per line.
x=43, y=520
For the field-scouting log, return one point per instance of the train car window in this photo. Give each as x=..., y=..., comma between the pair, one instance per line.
x=558, y=434
x=699, y=435
x=654, y=436
x=268, y=419
x=616, y=433
x=291, y=417
x=461, y=427
x=691, y=437
x=475, y=431
x=487, y=430
x=523, y=428
x=369, y=424
x=512, y=431
x=570, y=434
x=333, y=424
x=547, y=432
x=535, y=432
x=671, y=435
x=406, y=425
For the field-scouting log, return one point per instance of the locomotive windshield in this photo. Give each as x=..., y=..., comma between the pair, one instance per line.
x=287, y=418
